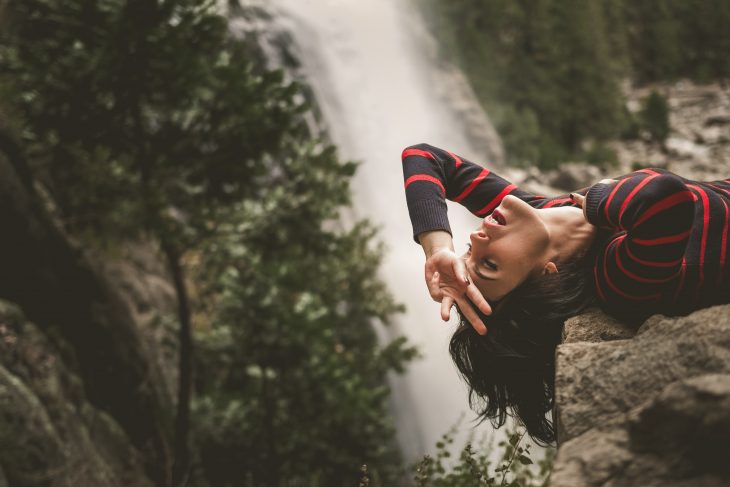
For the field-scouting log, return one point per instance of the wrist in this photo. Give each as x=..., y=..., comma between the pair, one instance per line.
x=435, y=241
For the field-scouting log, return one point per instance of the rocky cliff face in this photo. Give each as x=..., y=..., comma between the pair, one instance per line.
x=649, y=408
x=86, y=380
x=51, y=434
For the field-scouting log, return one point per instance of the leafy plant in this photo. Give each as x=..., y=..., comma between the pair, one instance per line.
x=515, y=468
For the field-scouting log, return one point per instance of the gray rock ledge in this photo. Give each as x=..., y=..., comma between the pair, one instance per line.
x=651, y=409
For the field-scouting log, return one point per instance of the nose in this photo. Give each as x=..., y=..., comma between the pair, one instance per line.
x=478, y=235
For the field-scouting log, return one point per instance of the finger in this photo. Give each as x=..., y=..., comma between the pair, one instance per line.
x=434, y=288
x=446, y=305
x=471, y=315
x=476, y=297
x=578, y=199
x=460, y=271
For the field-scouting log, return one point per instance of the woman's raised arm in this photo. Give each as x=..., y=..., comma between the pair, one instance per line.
x=432, y=175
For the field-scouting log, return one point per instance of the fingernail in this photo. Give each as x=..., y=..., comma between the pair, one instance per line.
x=466, y=279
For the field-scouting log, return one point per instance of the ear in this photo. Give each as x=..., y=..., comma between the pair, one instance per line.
x=550, y=268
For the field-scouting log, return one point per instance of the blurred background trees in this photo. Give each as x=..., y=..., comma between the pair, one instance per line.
x=549, y=71
x=145, y=119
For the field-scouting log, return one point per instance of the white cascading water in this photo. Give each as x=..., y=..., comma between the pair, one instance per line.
x=374, y=72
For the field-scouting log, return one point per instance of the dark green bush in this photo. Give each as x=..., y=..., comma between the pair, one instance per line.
x=655, y=116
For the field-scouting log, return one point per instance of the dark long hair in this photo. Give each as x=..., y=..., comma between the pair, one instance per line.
x=510, y=371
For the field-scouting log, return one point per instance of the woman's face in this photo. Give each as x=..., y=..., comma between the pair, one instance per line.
x=510, y=245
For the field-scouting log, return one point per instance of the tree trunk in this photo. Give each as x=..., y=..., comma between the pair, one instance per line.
x=181, y=466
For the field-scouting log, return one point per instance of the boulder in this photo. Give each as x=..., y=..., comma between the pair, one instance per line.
x=652, y=409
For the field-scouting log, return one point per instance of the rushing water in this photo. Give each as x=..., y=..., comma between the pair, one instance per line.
x=374, y=73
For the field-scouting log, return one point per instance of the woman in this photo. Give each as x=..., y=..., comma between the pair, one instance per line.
x=647, y=242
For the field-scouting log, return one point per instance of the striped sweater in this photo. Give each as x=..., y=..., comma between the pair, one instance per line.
x=663, y=244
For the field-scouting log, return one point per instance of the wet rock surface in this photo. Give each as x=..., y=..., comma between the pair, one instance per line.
x=653, y=409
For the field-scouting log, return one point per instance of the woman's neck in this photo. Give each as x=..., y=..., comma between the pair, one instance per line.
x=570, y=234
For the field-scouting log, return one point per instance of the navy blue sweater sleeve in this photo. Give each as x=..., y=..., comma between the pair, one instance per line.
x=432, y=175
x=652, y=213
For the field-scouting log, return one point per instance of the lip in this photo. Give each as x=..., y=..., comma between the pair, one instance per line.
x=497, y=215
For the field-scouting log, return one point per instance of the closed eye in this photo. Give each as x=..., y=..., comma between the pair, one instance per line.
x=488, y=263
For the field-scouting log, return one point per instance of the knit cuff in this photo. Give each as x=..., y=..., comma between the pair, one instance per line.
x=428, y=215
x=596, y=194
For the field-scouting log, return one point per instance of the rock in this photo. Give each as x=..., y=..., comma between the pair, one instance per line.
x=698, y=410
x=50, y=276
x=572, y=175
x=652, y=410
x=680, y=148
x=698, y=146
x=595, y=326
x=137, y=270
x=50, y=434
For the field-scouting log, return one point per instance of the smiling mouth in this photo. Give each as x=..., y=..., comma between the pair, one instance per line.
x=496, y=218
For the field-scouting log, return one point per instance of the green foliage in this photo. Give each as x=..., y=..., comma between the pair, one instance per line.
x=601, y=155
x=542, y=69
x=655, y=116
x=140, y=107
x=548, y=71
x=515, y=467
x=290, y=376
x=144, y=117
x=671, y=39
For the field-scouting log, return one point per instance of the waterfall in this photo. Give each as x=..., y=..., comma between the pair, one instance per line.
x=374, y=71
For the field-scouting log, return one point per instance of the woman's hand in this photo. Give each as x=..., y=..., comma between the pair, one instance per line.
x=448, y=283
x=580, y=199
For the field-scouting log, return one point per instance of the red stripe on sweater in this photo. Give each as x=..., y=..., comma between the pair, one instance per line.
x=610, y=198
x=498, y=199
x=723, y=249
x=648, y=171
x=650, y=263
x=552, y=203
x=721, y=189
x=417, y=152
x=637, y=278
x=705, y=231
x=457, y=159
x=424, y=177
x=472, y=185
x=614, y=288
x=638, y=187
x=661, y=240
x=662, y=205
